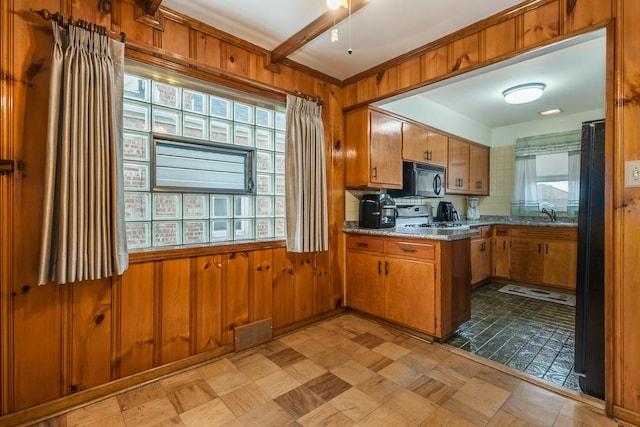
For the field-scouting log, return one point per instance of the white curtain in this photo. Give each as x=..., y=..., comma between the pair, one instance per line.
x=83, y=233
x=573, y=198
x=524, y=200
x=306, y=185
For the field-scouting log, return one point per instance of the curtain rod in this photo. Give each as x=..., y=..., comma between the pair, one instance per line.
x=66, y=21
x=311, y=98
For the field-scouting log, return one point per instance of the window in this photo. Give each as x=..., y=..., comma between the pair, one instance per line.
x=202, y=163
x=553, y=180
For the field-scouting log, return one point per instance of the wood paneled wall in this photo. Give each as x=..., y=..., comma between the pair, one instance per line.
x=172, y=307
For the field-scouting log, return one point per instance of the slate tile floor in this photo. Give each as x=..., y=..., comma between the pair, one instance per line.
x=530, y=335
x=344, y=371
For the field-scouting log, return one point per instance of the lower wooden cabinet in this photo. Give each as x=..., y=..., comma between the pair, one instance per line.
x=501, y=251
x=481, y=255
x=421, y=284
x=366, y=285
x=402, y=293
x=545, y=256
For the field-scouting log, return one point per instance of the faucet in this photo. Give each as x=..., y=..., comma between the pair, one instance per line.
x=551, y=213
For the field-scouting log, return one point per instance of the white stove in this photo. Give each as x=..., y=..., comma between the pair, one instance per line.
x=417, y=218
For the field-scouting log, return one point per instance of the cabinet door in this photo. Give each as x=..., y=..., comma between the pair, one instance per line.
x=560, y=263
x=365, y=289
x=438, y=147
x=478, y=170
x=526, y=260
x=501, y=260
x=480, y=260
x=415, y=145
x=458, y=166
x=410, y=293
x=386, y=151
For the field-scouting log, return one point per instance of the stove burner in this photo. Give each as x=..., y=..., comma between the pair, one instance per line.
x=438, y=224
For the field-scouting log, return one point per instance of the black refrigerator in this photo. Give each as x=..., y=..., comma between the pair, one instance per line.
x=589, y=362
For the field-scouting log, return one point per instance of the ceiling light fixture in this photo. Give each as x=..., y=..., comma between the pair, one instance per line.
x=335, y=5
x=522, y=94
x=550, y=112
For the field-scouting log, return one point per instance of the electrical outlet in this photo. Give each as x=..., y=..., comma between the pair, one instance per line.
x=632, y=173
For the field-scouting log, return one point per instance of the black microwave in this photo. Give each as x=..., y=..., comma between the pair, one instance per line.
x=421, y=180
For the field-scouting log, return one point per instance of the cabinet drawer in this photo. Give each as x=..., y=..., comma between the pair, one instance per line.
x=485, y=231
x=545, y=233
x=410, y=249
x=361, y=243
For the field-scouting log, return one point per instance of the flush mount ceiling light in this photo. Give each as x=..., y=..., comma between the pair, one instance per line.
x=550, y=112
x=522, y=94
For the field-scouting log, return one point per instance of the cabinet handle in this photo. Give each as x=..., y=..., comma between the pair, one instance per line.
x=426, y=155
x=363, y=245
x=379, y=267
x=504, y=245
x=539, y=248
x=546, y=248
x=411, y=250
x=386, y=268
x=375, y=171
x=478, y=184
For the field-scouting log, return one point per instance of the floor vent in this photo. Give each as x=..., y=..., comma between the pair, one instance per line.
x=252, y=334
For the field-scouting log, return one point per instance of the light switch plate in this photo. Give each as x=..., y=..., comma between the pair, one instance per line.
x=632, y=173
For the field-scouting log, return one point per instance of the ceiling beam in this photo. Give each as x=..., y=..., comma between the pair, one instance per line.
x=150, y=7
x=153, y=6
x=311, y=31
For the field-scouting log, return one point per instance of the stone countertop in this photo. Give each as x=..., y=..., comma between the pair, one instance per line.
x=453, y=234
x=447, y=234
x=514, y=220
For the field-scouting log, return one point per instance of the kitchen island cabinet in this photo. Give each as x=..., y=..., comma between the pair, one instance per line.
x=374, y=149
x=417, y=283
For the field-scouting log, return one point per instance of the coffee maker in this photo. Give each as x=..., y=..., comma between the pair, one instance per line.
x=446, y=212
x=377, y=211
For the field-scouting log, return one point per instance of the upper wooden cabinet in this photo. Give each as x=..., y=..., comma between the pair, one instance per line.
x=374, y=150
x=478, y=170
x=467, y=168
x=420, y=144
x=458, y=166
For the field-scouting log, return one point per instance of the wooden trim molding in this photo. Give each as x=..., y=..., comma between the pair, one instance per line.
x=6, y=206
x=156, y=254
x=66, y=403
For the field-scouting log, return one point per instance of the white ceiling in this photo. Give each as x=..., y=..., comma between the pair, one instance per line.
x=380, y=31
x=385, y=29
